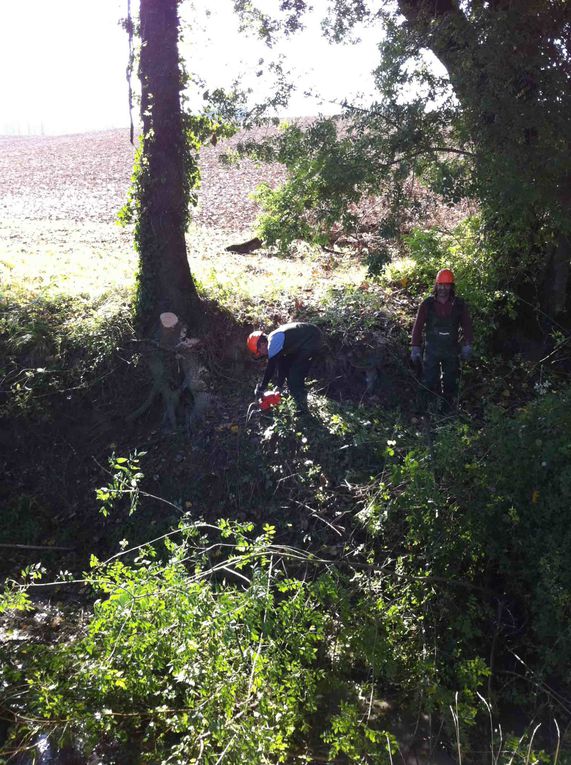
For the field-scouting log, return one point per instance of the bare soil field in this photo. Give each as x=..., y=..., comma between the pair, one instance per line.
x=65, y=191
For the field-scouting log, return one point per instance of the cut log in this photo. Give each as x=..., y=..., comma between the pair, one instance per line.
x=246, y=247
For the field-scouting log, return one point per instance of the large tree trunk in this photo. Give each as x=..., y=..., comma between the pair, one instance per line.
x=442, y=24
x=165, y=280
x=444, y=28
x=166, y=297
x=556, y=283
x=557, y=279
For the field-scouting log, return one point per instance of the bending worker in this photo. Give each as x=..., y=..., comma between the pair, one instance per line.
x=291, y=350
x=442, y=316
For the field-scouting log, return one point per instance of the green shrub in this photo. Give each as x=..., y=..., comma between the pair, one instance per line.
x=325, y=172
x=479, y=522
x=50, y=342
x=229, y=643
x=183, y=659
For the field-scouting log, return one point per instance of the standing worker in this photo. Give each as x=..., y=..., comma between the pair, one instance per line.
x=291, y=350
x=442, y=315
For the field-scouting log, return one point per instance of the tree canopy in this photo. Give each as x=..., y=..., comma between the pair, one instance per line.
x=494, y=128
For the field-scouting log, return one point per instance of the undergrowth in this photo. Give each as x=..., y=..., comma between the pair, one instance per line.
x=406, y=583
x=51, y=342
x=444, y=604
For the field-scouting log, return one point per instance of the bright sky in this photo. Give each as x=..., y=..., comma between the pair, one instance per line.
x=63, y=63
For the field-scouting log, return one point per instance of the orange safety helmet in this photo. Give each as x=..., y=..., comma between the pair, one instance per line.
x=252, y=341
x=445, y=276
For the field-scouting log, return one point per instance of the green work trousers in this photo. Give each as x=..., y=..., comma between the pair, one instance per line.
x=295, y=369
x=440, y=377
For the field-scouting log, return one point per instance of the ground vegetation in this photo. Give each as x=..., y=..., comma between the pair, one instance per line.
x=347, y=588
x=357, y=585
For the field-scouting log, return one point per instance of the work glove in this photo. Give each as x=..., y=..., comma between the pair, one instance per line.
x=466, y=352
x=258, y=390
x=416, y=354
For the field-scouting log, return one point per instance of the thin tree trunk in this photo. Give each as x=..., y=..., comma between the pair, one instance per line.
x=557, y=281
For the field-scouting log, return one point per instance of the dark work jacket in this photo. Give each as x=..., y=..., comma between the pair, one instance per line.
x=443, y=332
x=300, y=339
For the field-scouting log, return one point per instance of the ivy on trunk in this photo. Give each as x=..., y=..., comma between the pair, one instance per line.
x=166, y=169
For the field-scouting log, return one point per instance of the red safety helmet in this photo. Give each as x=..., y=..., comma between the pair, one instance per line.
x=253, y=340
x=445, y=276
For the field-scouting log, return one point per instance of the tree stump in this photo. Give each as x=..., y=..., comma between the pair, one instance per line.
x=176, y=373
